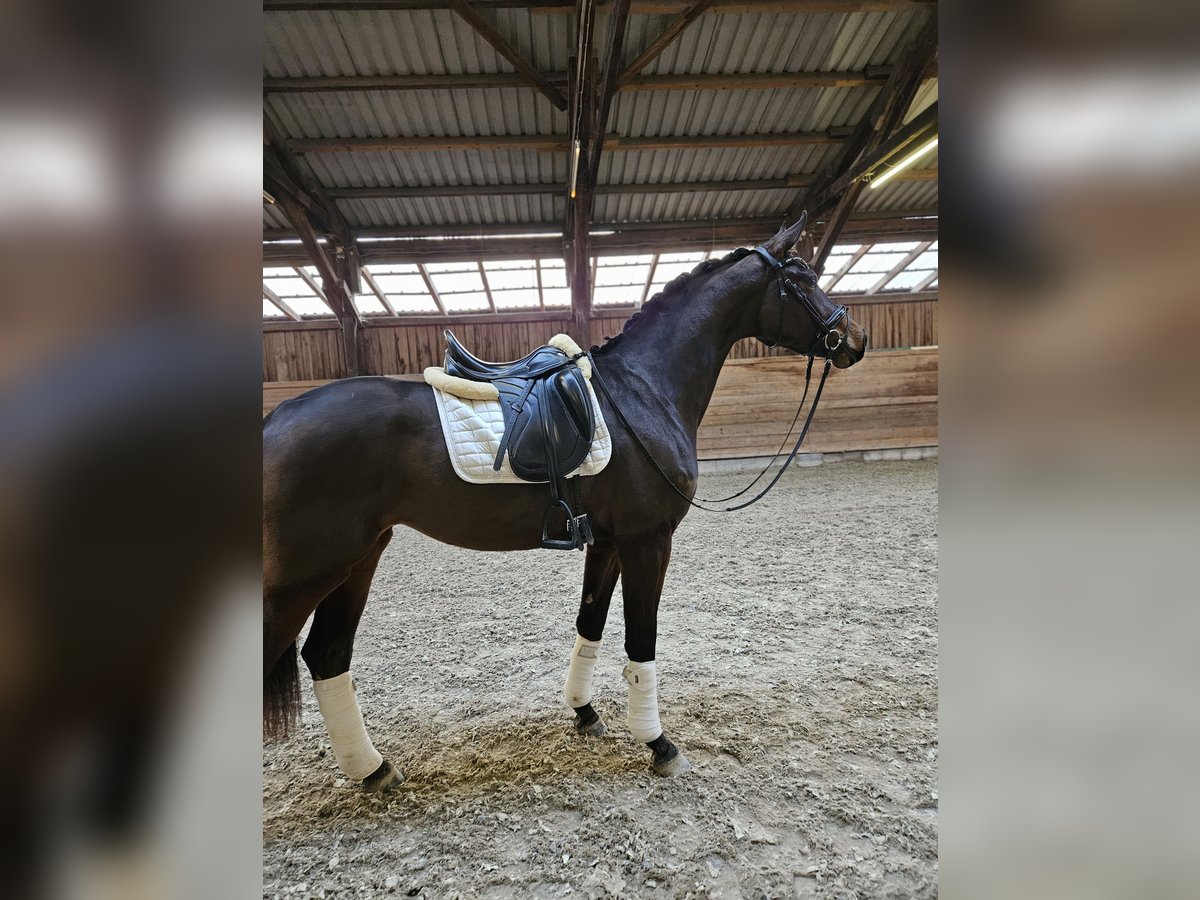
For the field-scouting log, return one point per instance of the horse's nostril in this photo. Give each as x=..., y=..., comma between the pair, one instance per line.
x=866, y=341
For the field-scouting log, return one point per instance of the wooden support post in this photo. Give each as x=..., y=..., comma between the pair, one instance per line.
x=334, y=289
x=806, y=245
x=836, y=223
x=581, y=269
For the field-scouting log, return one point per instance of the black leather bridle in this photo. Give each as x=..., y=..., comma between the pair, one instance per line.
x=826, y=325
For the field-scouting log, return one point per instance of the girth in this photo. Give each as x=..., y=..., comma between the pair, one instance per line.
x=549, y=424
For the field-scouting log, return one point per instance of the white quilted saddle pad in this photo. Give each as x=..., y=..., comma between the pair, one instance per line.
x=473, y=429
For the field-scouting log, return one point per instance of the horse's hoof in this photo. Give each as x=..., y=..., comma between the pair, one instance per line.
x=668, y=761
x=588, y=722
x=382, y=779
x=594, y=729
x=672, y=768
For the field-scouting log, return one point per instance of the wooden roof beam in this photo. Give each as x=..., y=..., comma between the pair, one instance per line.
x=487, y=288
x=618, y=20
x=864, y=144
x=791, y=182
x=485, y=29
x=282, y=172
x=564, y=7
x=899, y=267
x=901, y=86
x=524, y=234
x=334, y=289
x=665, y=239
x=429, y=286
x=701, y=81
x=554, y=143
x=675, y=28
x=839, y=275
x=280, y=304
x=375, y=289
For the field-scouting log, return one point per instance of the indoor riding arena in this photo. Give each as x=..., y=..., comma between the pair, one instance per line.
x=514, y=171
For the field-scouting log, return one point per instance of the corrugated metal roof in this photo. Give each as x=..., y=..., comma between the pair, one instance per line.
x=438, y=167
x=400, y=42
x=273, y=217
x=897, y=194
x=498, y=111
x=494, y=210
x=776, y=42
x=432, y=42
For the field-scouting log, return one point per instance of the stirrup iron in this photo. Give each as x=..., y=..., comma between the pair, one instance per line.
x=579, y=529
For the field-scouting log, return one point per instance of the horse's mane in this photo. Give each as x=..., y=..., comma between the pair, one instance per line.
x=671, y=290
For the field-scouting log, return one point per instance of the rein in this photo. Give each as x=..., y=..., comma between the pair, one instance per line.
x=825, y=327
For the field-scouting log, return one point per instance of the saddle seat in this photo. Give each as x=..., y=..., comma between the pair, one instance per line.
x=463, y=364
x=549, y=420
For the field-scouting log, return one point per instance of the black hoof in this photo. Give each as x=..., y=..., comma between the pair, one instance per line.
x=588, y=722
x=668, y=761
x=382, y=779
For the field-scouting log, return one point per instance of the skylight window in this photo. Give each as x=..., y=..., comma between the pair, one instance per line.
x=620, y=282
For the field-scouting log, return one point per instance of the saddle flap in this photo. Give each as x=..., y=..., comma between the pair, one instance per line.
x=549, y=427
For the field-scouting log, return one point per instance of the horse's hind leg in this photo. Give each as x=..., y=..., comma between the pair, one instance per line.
x=644, y=568
x=600, y=572
x=327, y=652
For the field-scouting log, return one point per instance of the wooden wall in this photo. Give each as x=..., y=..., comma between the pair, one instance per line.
x=887, y=401
x=309, y=351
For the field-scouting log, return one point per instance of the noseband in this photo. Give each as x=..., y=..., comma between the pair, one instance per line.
x=824, y=324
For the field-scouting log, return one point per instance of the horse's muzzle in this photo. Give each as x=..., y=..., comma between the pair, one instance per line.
x=848, y=353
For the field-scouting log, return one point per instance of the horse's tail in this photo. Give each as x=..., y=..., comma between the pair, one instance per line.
x=281, y=695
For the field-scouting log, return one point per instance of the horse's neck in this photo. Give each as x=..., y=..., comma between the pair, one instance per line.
x=677, y=352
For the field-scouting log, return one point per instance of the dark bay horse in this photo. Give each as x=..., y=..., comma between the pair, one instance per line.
x=345, y=463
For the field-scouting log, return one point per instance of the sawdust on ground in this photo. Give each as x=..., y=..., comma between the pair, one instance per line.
x=797, y=660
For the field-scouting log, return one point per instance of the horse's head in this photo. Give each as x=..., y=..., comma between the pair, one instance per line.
x=796, y=313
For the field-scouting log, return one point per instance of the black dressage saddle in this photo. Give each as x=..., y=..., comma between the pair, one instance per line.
x=549, y=424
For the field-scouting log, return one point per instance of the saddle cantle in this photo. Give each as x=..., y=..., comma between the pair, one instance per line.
x=549, y=423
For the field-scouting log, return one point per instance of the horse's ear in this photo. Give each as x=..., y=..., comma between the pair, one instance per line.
x=784, y=239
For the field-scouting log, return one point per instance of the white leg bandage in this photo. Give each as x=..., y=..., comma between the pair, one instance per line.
x=578, y=689
x=643, y=701
x=355, y=754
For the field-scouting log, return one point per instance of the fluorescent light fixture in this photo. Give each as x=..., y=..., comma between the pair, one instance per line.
x=904, y=163
x=574, y=167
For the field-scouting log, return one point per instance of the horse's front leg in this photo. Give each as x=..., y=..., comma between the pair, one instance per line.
x=644, y=567
x=600, y=573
